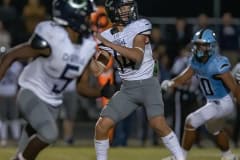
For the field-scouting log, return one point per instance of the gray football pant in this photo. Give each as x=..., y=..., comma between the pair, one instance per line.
x=40, y=117
x=133, y=94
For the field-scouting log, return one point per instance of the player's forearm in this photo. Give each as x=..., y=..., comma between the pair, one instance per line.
x=88, y=91
x=183, y=77
x=133, y=54
x=179, y=80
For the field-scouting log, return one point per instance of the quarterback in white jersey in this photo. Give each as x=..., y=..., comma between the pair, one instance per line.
x=128, y=41
x=128, y=69
x=61, y=49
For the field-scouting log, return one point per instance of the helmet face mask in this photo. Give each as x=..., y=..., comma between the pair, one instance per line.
x=204, y=44
x=122, y=11
x=201, y=49
x=73, y=13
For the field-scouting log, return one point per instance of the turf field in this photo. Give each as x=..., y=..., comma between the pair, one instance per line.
x=129, y=153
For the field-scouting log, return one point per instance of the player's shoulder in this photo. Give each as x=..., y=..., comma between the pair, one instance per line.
x=108, y=33
x=49, y=29
x=88, y=46
x=90, y=42
x=141, y=26
x=46, y=26
x=219, y=59
x=221, y=63
x=141, y=22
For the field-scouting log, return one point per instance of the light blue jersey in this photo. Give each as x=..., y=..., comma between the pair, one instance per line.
x=212, y=87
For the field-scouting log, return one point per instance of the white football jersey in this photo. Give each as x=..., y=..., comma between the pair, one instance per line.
x=128, y=70
x=236, y=69
x=47, y=77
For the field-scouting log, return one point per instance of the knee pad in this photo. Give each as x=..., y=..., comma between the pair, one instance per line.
x=48, y=134
x=195, y=120
x=190, y=122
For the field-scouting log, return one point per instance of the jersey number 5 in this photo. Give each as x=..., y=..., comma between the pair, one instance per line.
x=59, y=88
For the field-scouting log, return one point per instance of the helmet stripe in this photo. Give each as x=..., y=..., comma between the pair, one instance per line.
x=75, y=5
x=201, y=33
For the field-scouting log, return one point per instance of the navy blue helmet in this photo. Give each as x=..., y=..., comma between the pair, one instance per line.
x=207, y=39
x=73, y=13
x=121, y=11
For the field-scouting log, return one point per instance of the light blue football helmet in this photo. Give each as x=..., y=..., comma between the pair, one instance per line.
x=204, y=37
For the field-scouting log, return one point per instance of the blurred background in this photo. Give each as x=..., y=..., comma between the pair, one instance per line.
x=174, y=23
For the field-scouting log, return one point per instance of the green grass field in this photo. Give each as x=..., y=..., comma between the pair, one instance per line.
x=128, y=153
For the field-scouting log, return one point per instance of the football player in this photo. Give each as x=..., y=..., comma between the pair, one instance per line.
x=216, y=81
x=61, y=49
x=128, y=42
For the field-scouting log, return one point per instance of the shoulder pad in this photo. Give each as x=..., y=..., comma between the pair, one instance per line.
x=108, y=34
x=142, y=26
x=88, y=46
x=37, y=42
x=223, y=64
x=51, y=32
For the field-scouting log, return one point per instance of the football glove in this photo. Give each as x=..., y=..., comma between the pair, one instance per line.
x=108, y=90
x=166, y=84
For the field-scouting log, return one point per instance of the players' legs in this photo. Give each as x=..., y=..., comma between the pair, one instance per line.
x=153, y=103
x=160, y=126
x=3, y=120
x=9, y=118
x=71, y=107
x=41, y=118
x=103, y=125
x=117, y=109
x=193, y=121
x=14, y=122
x=27, y=132
x=68, y=126
x=215, y=127
x=4, y=133
x=212, y=110
x=15, y=128
x=170, y=140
